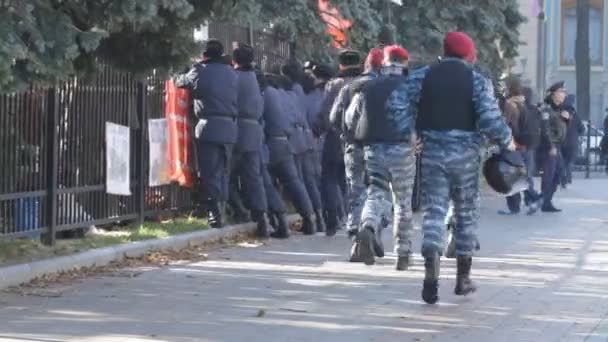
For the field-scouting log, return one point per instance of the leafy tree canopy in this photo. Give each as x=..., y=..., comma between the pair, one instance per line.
x=46, y=40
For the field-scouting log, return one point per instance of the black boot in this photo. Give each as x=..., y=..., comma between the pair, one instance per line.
x=378, y=245
x=282, y=228
x=272, y=220
x=403, y=262
x=464, y=284
x=332, y=223
x=320, y=221
x=262, y=224
x=430, y=289
x=366, y=242
x=355, y=252
x=214, y=214
x=549, y=208
x=308, y=225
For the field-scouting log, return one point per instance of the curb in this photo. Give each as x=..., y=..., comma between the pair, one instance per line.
x=23, y=273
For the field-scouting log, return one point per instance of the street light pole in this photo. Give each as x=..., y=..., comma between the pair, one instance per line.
x=541, y=57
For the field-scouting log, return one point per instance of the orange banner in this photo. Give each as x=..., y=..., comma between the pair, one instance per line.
x=177, y=112
x=337, y=26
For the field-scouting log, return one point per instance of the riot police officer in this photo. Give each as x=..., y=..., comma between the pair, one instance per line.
x=214, y=92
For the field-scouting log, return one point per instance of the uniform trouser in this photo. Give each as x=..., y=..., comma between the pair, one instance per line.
x=214, y=169
x=343, y=208
x=390, y=167
x=331, y=191
x=247, y=167
x=450, y=174
x=550, y=179
x=568, y=158
x=287, y=173
x=306, y=170
x=530, y=195
x=354, y=160
x=275, y=202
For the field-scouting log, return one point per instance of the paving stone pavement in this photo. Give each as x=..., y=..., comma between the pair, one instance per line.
x=541, y=278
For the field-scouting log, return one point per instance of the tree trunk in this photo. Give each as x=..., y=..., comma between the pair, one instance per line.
x=583, y=68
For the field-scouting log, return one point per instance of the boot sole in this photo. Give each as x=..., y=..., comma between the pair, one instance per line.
x=366, y=247
x=430, y=293
x=464, y=292
x=279, y=236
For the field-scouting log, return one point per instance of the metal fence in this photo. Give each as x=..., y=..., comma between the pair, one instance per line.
x=52, y=149
x=590, y=158
x=271, y=51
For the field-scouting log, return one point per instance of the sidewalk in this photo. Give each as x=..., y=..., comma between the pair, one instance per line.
x=541, y=278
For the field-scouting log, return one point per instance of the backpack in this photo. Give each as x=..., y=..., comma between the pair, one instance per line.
x=529, y=126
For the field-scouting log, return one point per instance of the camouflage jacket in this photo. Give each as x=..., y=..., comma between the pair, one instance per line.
x=403, y=106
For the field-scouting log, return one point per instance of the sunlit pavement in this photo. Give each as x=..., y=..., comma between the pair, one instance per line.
x=541, y=278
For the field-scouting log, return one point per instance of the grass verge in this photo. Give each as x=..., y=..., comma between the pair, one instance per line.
x=27, y=250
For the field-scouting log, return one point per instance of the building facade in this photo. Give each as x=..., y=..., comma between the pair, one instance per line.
x=554, y=55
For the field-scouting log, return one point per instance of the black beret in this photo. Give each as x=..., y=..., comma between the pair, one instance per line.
x=556, y=86
x=322, y=71
x=349, y=58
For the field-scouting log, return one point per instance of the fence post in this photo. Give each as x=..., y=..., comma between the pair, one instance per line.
x=588, y=152
x=140, y=172
x=52, y=169
x=250, y=35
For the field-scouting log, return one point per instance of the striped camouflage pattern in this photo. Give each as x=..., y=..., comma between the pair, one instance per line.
x=451, y=171
x=390, y=169
x=354, y=160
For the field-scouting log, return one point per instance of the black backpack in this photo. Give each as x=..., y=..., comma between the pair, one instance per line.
x=529, y=126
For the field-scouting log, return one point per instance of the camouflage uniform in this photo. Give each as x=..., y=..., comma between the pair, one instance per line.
x=391, y=169
x=354, y=156
x=390, y=165
x=451, y=160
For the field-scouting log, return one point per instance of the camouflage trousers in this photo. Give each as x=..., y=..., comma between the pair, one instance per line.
x=450, y=173
x=354, y=160
x=390, y=169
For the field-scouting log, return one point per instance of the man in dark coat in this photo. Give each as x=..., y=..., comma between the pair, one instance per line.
x=554, y=116
x=333, y=154
x=214, y=90
x=246, y=162
x=571, y=144
x=278, y=128
x=303, y=141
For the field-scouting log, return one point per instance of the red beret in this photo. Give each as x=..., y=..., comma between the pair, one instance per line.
x=459, y=44
x=396, y=52
x=375, y=58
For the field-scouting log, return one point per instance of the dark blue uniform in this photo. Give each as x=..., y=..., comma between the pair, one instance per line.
x=246, y=163
x=279, y=128
x=214, y=92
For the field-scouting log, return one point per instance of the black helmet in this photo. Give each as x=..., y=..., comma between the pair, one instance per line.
x=506, y=173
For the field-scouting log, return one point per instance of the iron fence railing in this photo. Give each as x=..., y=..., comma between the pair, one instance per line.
x=52, y=148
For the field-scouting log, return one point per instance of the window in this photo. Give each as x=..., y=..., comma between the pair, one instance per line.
x=568, y=34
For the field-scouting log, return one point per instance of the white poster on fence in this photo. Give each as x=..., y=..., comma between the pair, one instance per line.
x=118, y=152
x=158, y=132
